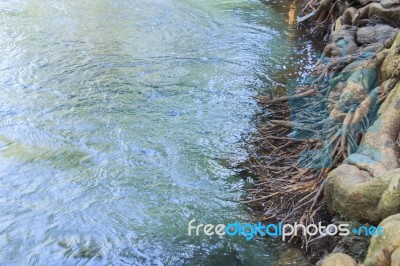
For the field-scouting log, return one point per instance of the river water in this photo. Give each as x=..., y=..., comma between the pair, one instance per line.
x=120, y=121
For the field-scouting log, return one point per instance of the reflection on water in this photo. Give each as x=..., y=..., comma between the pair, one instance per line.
x=292, y=13
x=117, y=120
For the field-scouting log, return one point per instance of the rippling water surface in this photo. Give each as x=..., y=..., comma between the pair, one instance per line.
x=120, y=121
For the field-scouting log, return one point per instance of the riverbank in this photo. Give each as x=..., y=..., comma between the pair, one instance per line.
x=328, y=151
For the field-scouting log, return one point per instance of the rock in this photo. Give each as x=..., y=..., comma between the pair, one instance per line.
x=390, y=3
x=331, y=50
x=376, y=12
x=366, y=187
x=370, y=49
x=384, y=250
x=375, y=34
x=361, y=81
x=291, y=256
x=340, y=49
x=388, y=15
x=366, y=2
x=338, y=259
x=365, y=163
x=355, y=194
x=379, y=143
x=342, y=42
x=347, y=15
x=391, y=64
x=345, y=32
x=395, y=258
x=362, y=76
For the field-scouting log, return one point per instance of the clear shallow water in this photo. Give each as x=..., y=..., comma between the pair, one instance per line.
x=120, y=121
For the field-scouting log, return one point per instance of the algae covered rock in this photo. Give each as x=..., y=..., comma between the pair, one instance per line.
x=338, y=259
x=385, y=249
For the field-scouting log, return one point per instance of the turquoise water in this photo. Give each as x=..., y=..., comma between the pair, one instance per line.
x=120, y=121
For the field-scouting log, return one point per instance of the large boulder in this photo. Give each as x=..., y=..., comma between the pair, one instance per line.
x=384, y=250
x=354, y=194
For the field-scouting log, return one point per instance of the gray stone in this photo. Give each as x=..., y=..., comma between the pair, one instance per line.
x=374, y=34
